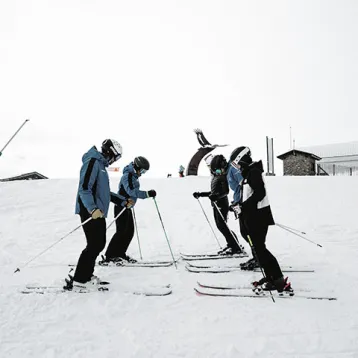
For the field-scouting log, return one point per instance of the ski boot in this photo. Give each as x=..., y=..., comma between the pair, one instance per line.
x=116, y=261
x=281, y=285
x=94, y=284
x=129, y=259
x=222, y=251
x=250, y=265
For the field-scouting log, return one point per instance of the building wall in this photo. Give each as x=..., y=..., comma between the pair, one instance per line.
x=299, y=164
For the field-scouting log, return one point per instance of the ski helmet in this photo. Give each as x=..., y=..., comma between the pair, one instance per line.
x=112, y=150
x=208, y=159
x=218, y=165
x=240, y=156
x=141, y=164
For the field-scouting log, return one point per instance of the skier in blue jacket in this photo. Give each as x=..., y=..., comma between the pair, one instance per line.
x=93, y=199
x=128, y=191
x=235, y=178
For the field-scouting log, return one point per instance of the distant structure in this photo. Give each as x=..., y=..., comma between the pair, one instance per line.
x=27, y=176
x=206, y=148
x=298, y=162
x=270, y=156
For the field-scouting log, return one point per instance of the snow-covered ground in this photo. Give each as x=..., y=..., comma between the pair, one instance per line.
x=36, y=214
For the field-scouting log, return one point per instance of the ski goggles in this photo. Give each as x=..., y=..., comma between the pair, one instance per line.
x=142, y=171
x=114, y=159
x=219, y=171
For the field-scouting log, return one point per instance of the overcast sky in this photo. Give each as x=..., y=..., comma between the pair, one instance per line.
x=146, y=73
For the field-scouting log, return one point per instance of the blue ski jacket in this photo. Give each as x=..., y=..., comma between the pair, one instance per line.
x=129, y=186
x=234, y=178
x=93, y=189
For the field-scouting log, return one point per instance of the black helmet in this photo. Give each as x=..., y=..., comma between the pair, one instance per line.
x=240, y=156
x=141, y=164
x=112, y=150
x=218, y=164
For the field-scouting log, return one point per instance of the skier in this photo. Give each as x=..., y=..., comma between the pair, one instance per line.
x=256, y=214
x=129, y=192
x=181, y=171
x=234, y=178
x=218, y=195
x=93, y=198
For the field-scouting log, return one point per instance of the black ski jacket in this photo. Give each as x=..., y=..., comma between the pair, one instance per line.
x=254, y=204
x=219, y=190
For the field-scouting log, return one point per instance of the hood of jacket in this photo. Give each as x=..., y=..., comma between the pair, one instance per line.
x=94, y=153
x=254, y=165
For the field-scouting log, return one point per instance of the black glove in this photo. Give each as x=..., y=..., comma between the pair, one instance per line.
x=152, y=193
x=196, y=195
x=213, y=197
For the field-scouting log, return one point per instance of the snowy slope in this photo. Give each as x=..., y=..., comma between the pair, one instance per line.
x=36, y=214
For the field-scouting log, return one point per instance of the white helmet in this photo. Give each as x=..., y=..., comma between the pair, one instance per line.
x=112, y=150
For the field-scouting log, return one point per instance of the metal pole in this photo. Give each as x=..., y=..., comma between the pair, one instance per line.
x=13, y=136
x=234, y=237
x=165, y=233
x=136, y=230
x=42, y=252
x=111, y=223
x=207, y=219
x=294, y=233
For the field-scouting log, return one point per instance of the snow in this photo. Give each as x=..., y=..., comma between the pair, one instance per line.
x=36, y=214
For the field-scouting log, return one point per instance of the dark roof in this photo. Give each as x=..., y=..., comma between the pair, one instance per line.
x=27, y=176
x=294, y=151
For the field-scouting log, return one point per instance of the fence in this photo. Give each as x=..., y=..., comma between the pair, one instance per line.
x=335, y=169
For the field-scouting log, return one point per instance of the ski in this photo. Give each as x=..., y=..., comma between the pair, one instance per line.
x=238, y=268
x=155, y=291
x=194, y=269
x=192, y=257
x=132, y=264
x=235, y=287
x=251, y=294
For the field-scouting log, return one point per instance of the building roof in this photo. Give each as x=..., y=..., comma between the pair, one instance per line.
x=27, y=176
x=294, y=151
x=333, y=150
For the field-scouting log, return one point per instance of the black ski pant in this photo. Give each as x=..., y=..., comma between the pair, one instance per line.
x=257, y=232
x=230, y=237
x=123, y=235
x=95, y=231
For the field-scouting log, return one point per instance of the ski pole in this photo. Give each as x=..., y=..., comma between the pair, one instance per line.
x=291, y=228
x=160, y=217
x=62, y=238
x=13, y=136
x=294, y=233
x=207, y=219
x=235, y=238
x=111, y=223
x=257, y=258
x=136, y=230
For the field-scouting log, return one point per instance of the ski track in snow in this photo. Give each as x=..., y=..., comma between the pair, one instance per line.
x=117, y=324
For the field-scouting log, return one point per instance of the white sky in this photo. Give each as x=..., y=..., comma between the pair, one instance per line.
x=146, y=73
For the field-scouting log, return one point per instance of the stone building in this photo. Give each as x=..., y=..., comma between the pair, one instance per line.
x=298, y=162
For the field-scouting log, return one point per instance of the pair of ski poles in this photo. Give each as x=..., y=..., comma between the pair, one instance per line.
x=111, y=223
x=284, y=227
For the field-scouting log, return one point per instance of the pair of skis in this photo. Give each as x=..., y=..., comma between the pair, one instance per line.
x=207, y=268
x=164, y=290
x=247, y=291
